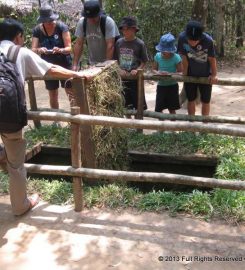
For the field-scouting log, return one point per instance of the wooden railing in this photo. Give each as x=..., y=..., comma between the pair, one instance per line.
x=82, y=147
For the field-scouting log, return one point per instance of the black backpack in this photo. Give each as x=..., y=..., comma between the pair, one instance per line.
x=102, y=26
x=13, y=113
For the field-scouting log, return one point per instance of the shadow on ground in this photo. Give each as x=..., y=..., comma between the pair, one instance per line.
x=55, y=237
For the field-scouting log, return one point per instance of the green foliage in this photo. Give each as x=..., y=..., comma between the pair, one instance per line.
x=29, y=22
x=225, y=204
x=112, y=196
x=4, y=183
x=154, y=17
x=173, y=143
x=161, y=200
x=55, y=192
x=48, y=134
x=231, y=167
x=199, y=203
x=229, y=204
x=230, y=151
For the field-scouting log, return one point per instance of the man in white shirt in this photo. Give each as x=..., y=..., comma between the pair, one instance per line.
x=28, y=63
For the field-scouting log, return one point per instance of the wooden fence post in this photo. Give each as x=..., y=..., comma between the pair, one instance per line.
x=76, y=162
x=140, y=98
x=87, y=144
x=33, y=100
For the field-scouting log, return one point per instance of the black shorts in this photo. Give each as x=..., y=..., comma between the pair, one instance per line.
x=54, y=84
x=167, y=97
x=205, y=91
x=63, y=61
x=130, y=94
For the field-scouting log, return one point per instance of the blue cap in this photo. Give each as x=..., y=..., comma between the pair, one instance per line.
x=167, y=44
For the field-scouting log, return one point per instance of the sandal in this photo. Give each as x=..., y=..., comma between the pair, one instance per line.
x=34, y=200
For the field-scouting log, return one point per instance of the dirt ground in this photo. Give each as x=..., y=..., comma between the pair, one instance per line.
x=55, y=237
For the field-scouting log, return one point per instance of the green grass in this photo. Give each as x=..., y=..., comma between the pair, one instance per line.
x=224, y=204
x=48, y=134
x=218, y=203
x=230, y=151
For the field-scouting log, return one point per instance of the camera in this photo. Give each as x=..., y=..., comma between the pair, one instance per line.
x=49, y=51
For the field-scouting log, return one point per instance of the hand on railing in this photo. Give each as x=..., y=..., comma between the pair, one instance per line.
x=213, y=79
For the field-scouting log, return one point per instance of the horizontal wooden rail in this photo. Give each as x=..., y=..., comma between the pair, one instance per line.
x=152, y=77
x=138, y=124
x=182, y=78
x=90, y=72
x=185, y=117
x=135, y=176
x=202, y=80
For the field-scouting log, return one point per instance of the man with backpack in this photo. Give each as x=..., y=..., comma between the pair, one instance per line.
x=99, y=31
x=16, y=64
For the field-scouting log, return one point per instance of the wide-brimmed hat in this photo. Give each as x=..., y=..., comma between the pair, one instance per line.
x=129, y=21
x=46, y=14
x=91, y=9
x=194, y=30
x=167, y=44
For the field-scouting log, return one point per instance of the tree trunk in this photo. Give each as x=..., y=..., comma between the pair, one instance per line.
x=239, y=23
x=200, y=11
x=219, y=26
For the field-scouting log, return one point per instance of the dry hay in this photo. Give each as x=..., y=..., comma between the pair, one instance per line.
x=104, y=97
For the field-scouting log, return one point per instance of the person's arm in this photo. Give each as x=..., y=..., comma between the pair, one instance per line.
x=77, y=50
x=35, y=46
x=58, y=71
x=213, y=67
x=155, y=67
x=67, y=44
x=185, y=65
x=179, y=67
x=135, y=71
x=110, y=48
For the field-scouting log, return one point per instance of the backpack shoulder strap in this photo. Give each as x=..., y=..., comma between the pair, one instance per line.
x=103, y=23
x=84, y=27
x=13, y=53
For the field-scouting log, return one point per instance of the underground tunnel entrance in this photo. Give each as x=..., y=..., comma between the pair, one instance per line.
x=192, y=165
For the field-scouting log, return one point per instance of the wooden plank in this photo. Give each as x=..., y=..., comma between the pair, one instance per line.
x=140, y=97
x=137, y=176
x=198, y=118
x=87, y=144
x=76, y=162
x=36, y=149
x=90, y=73
x=33, y=100
x=238, y=131
x=195, y=159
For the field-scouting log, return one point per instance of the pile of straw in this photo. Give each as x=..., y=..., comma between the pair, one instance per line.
x=104, y=97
